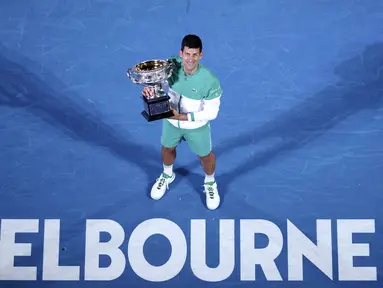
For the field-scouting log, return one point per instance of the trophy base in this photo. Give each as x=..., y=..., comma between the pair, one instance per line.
x=156, y=108
x=150, y=118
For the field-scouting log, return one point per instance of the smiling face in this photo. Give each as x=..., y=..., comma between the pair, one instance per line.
x=190, y=59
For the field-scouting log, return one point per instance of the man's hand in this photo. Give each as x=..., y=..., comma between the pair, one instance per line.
x=148, y=92
x=178, y=116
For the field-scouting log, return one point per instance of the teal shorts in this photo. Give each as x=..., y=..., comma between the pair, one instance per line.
x=199, y=139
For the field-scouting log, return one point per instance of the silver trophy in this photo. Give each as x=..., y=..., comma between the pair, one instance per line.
x=153, y=73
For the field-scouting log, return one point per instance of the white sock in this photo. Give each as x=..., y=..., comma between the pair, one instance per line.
x=209, y=178
x=168, y=170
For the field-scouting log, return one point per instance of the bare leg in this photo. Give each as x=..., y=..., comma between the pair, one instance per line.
x=208, y=163
x=168, y=155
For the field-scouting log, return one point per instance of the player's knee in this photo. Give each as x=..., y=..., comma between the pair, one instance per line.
x=205, y=155
x=168, y=149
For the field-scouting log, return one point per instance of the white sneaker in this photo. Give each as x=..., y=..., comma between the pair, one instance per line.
x=212, y=196
x=162, y=184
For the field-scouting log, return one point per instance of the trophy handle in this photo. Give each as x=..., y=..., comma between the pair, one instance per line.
x=132, y=75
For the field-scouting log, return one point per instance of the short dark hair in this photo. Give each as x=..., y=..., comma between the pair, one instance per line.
x=191, y=41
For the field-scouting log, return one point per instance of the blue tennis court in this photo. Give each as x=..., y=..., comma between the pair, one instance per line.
x=299, y=145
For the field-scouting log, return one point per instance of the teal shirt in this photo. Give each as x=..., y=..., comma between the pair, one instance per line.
x=202, y=85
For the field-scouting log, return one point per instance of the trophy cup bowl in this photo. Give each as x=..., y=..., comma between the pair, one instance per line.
x=153, y=73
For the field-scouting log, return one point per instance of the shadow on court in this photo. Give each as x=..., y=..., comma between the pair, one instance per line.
x=359, y=87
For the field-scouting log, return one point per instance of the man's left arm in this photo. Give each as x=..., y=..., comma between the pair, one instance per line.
x=210, y=108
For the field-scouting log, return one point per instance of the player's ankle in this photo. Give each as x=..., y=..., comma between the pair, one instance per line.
x=168, y=169
x=209, y=178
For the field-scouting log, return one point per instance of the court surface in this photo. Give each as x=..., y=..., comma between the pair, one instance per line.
x=298, y=142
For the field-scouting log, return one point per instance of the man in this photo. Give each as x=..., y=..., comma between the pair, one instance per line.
x=195, y=94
